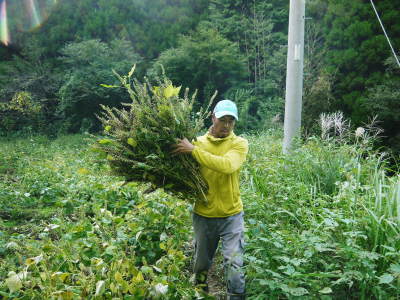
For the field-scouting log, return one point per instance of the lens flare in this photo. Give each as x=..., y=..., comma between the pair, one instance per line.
x=20, y=16
x=4, y=34
x=34, y=13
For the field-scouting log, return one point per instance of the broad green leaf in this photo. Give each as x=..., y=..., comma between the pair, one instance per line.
x=14, y=283
x=146, y=269
x=118, y=277
x=110, y=250
x=263, y=282
x=298, y=291
x=100, y=288
x=139, y=277
x=113, y=287
x=386, y=278
x=156, y=90
x=171, y=91
x=330, y=222
x=395, y=268
x=132, y=142
x=5, y=294
x=163, y=236
x=34, y=260
x=161, y=289
x=12, y=245
x=326, y=290
x=109, y=86
x=43, y=276
x=131, y=71
x=59, y=275
x=157, y=269
x=105, y=141
x=65, y=295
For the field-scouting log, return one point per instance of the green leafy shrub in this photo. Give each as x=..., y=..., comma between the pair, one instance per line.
x=206, y=61
x=80, y=94
x=139, y=139
x=98, y=238
x=19, y=112
x=323, y=221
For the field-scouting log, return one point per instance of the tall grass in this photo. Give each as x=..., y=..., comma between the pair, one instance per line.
x=322, y=222
x=383, y=213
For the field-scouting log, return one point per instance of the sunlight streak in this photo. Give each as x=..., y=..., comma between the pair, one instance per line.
x=34, y=13
x=4, y=34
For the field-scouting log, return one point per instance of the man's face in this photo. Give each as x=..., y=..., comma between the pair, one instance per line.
x=223, y=126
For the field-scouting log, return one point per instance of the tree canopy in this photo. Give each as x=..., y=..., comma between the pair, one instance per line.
x=60, y=57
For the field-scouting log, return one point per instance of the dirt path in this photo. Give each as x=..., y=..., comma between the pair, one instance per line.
x=216, y=283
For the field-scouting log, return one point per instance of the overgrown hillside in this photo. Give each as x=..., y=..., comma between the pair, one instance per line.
x=55, y=54
x=321, y=224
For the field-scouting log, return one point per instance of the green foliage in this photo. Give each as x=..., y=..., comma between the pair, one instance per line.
x=74, y=232
x=21, y=110
x=204, y=60
x=150, y=27
x=357, y=50
x=322, y=222
x=255, y=112
x=318, y=82
x=140, y=138
x=69, y=229
x=29, y=74
x=382, y=102
x=90, y=63
x=258, y=28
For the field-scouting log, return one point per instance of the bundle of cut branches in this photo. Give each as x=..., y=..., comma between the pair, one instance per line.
x=138, y=137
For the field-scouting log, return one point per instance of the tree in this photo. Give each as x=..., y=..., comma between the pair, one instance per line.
x=357, y=50
x=382, y=101
x=318, y=82
x=32, y=75
x=259, y=28
x=90, y=63
x=204, y=60
x=151, y=26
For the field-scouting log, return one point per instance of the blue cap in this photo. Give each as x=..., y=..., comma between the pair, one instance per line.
x=226, y=108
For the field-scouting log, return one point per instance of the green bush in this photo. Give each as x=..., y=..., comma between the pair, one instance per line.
x=322, y=222
x=206, y=61
x=20, y=113
x=81, y=93
x=97, y=237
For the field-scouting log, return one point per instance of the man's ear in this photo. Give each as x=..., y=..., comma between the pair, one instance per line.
x=213, y=118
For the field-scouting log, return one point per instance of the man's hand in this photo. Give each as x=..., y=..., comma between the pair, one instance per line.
x=183, y=146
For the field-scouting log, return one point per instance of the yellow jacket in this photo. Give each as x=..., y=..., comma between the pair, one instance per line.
x=220, y=160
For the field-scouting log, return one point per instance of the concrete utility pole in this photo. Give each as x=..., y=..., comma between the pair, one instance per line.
x=294, y=75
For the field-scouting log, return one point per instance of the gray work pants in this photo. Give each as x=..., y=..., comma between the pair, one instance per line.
x=207, y=233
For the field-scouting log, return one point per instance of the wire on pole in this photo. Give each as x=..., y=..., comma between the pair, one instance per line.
x=384, y=31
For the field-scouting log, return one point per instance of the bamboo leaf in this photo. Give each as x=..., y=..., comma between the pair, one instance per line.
x=131, y=71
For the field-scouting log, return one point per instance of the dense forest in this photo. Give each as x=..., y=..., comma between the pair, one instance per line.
x=55, y=55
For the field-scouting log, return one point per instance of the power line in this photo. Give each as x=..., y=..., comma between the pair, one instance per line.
x=384, y=31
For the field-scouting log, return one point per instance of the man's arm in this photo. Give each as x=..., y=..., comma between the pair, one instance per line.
x=227, y=164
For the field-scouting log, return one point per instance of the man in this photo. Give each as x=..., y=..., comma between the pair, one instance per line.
x=220, y=154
